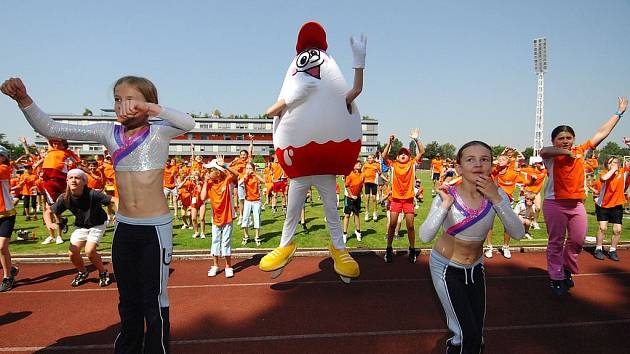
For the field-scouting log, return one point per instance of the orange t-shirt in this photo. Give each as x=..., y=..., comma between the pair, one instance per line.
x=436, y=166
x=28, y=182
x=6, y=199
x=95, y=183
x=370, y=170
x=196, y=166
x=220, y=197
x=507, y=179
x=403, y=179
x=238, y=165
x=354, y=183
x=277, y=171
x=59, y=160
x=565, y=179
x=534, y=185
x=612, y=190
x=169, y=176
x=252, y=188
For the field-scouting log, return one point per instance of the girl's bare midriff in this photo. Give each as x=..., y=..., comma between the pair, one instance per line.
x=141, y=193
x=464, y=252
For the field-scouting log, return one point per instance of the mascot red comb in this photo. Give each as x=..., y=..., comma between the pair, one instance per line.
x=317, y=136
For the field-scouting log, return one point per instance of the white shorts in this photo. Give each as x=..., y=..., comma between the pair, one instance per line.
x=93, y=234
x=170, y=191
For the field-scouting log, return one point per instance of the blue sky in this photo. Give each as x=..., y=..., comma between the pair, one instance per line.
x=458, y=70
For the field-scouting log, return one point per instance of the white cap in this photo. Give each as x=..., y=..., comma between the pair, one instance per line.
x=78, y=172
x=535, y=159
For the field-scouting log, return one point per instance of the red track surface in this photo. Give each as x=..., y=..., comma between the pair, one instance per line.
x=391, y=308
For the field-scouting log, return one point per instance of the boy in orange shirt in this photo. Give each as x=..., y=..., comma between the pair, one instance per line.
x=251, y=183
x=217, y=187
x=354, y=183
x=403, y=179
x=171, y=171
x=25, y=186
x=370, y=170
x=609, y=206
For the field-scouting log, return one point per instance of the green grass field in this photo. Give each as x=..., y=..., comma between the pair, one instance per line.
x=271, y=229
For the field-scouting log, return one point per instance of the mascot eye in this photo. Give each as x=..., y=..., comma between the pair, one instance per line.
x=314, y=53
x=303, y=59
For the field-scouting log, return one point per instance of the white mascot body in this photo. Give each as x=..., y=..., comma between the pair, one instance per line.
x=318, y=136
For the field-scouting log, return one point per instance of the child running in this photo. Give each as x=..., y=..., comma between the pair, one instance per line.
x=142, y=246
x=403, y=179
x=563, y=208
x=466, y=212
x=90, y=221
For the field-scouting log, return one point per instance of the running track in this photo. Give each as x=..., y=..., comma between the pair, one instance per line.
x=391, y=308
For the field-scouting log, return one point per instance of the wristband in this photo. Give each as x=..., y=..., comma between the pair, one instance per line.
x=620, y=114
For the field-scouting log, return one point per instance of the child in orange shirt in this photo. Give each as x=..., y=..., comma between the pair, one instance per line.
x=371, y=169
x=217, y=187
x=354, y=183
x=403, y=179
x=609, y=206
x=25, y=187
x=251, y=183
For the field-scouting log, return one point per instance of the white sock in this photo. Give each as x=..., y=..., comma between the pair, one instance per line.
x=598, y=248
x=612, y=249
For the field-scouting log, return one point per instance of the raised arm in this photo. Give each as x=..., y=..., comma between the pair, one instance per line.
x=415, y=134
x=607, y=127
x=439, y=209
x=388, y=147
x=358, y=45
x=551, y=151
x=251, y=147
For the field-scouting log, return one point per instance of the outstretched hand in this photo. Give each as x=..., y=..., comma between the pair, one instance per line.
x=358, y=45
x=622, y=104
x=415, y=133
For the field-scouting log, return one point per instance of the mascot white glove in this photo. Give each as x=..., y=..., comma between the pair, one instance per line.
x=300, y=93
x=358, y=51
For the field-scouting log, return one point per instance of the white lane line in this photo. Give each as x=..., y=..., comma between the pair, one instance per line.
x=325, y=335
x=290, y=283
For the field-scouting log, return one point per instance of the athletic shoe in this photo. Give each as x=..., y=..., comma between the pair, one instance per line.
x=48, y=240
x=374, y=217
x=258, y=242
x=535, y=226
x=277, y=258
x=14, y=271
x=19, y=236
x=389, y=255
x=613, y=256
x=213, y=271
x=358, y=235
x=202, y=235
x=7, y=284
x=345, y=238
x=184, y=227
x=568, y=279
x=229, y=272
x=528, y=236
x=558, y=287
x=598, y=254
x=413, y=255
x=488, y=253
x=79, y=279
x=195, y=235
x=506, y=252
x=244, y=242
x=367, y=217
x=344, y=264
x=59, y=240
x=103, y=279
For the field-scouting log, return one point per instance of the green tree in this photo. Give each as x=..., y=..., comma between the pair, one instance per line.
x=432, y=149
x=497, y=150
x=612, y=149
x=87, y=113
x=396, y=145
x=447, y=150
x=216, y=114
x=529, y=152
x=14, y=150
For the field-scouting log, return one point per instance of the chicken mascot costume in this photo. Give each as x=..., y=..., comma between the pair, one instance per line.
x=317, y=136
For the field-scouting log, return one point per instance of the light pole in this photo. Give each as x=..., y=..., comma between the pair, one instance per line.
x=540, y=67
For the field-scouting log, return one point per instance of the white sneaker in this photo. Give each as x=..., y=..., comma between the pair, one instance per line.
x=416, y=207
x=195, y=235
x=202, y=235
x=184, y=227
x=358, y=235
x=244, y=242
x=488, y=253
x=367, y=217
x=345, y=238
x=213, y=271
x=59, y=240
x=535, y=226
x=229, y=272
x=528, y=236
x=48, y=240
x=506, y=252
x=374, y=217
x=258, y=242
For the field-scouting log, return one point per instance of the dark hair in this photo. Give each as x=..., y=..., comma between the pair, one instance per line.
x=460, y=152
x=145, y=86
x=245, y=151
x=561, y=128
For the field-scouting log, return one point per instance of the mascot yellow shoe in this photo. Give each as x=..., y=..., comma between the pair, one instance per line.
x=277, y=259
x=345, y=265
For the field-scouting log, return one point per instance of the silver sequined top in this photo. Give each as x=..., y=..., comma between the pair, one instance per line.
x=146, y=150
x=468, y=224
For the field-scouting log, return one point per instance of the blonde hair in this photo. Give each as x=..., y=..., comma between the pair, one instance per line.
x=145, y=86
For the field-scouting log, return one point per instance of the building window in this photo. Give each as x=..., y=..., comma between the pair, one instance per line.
x=224, y=125
x=204, y=126
x=223, y=148
x=240, y=137
x=227, y=137
x=241, y=126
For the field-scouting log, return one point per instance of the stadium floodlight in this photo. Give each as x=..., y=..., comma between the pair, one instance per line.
x=540, y=67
